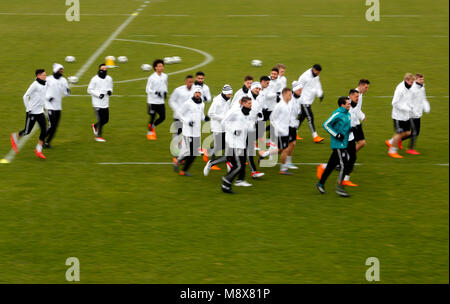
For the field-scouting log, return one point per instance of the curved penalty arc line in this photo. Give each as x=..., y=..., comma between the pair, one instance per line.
x=208, y=59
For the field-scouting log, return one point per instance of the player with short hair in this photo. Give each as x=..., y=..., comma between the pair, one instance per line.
x=236, y=101
x=34, y=101
x=295, y=110
x=100, y=88
x=156, y=90
x=363, y=87
x=200, y=81
x=255, y=117
x=178, y=97
x=281, y=78
x=338, y=126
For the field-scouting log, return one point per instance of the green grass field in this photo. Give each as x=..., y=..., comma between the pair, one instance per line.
x=145, y=224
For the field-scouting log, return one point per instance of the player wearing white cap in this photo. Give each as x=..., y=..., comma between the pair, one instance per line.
x=57, y=88
x=219, y=108
x=191, y=114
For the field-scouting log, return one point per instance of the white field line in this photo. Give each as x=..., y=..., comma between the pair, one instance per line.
x=59, y=14
x=10, y=156
x=292, y=36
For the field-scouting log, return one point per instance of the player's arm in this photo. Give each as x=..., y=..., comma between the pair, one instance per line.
x=426, y=103
x=27, y=95
x=92, y=88
x=66, y=87
x=329, y=124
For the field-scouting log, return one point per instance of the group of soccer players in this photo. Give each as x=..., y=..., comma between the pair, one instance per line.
x=240, y=124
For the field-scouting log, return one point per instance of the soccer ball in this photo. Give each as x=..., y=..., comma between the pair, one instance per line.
x=168, y=60
x=73, y=79
x=256, y=63
x=70, y=59
x=122, y=59
x=176, y=59
x=146, y=67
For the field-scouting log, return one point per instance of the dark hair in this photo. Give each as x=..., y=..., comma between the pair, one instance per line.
x=264, y=78
x=363, y=81
x=39, y=71
x=342, y=100
x=317, y=67
x=157, y=61
x=101, y=65
x=352, y=91
x=199, y=73
x=248, y=77
x=419, y=75
x=275, y=70
x=189, y=76
x=245, y=99
x=286, y=90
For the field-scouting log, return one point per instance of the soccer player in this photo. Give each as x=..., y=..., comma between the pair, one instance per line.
x=236, y=126
x=255, y=117
x=280, y=121
x=220, y=106
x=419, y=105
x=34, y=100
x=401, y=114
x=235, y=102
x=311, y=87
x=57, y=88
x=178, y=97
x=156, y=94
x=281, y=78
x=363, y=87
x=200, y=81
x=295, y=110
x=338, y=125
x=100, y=88
x=191, y=114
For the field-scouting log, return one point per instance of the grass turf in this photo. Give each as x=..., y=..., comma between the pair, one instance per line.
x=144, y=224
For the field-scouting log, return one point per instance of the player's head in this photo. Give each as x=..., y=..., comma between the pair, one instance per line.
x=354, y=95
x=363, y=85
x=316, y=69
x=281, y=69
x=189, y=81
x=200, y=77
x=420, y=78
x=198, y=92
x=344, y=102
x=58, y=70
x=246, y=102
x=40, y=73
x=296, y=88
x=264, y=80
x=158, y=65
x=287, y=94
x=248, y=80
x=227, y=91
x=274, y=73
x=409, y=78
x=102, y=70
x=255, y=88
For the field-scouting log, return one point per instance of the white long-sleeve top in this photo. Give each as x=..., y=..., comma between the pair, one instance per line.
x=419, y=102
x=359, y=106
x=280, y=118
x=156, y=83
x=295, y=110
x=401, y=103
x=98, y=86
x=268, y=98
x=236, y=126
x=235, y=102
x=356, y=115
x=178, y=97
x=192, y=112
x=217, y=112
x=257, y=108
x=311, y=87
x=271, y=93
x=56, y=89
x=283, y=82
x=206, y=93
x=34, y=98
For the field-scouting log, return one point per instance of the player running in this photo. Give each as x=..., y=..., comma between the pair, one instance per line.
x=363, y=87
x=156, y=94
x=236, y=101
x=200, y=81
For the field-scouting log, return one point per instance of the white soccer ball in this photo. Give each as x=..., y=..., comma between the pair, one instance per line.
x=70, y=59
x=146, y=67
x=256, y=63
x=176, y=59
x=122, y=59
x=168, y=60
x=73, y=79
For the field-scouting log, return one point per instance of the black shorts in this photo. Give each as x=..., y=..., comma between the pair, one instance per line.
x=401, y=126
x=292, y=134
x=358, y=133
x=283, y=142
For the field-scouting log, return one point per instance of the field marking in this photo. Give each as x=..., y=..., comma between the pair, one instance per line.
x=294, y=36
x=208, y=58
x=250, y=15
x=59, y=14
x=12, y=154
x=402, y=16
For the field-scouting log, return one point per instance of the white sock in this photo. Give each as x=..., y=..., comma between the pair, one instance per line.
x=39, y=147
x=283, y=167
x=392, y=150
x=266, y=153
x=391, y=141
x=347, y=178
x=324, y=166
x=289, y=159
x=315, y=134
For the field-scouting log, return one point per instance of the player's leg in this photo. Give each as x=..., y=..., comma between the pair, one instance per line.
x=332, y=163
x=343, y=161
x=53, y=121
x=40, y=118
x=360, y=138
x=415, y=130
x=227, y=180
x=351, y=151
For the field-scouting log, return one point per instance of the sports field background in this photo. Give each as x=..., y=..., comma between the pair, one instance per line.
x=144, y=224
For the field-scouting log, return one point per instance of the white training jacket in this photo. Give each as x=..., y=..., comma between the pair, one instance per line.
x=401, y=103
x=283, y=82
x=268, y=99
x=98, y=86
x=359, y=106
x=419, y=102
x=235, y=102
x=56, y=89
x=178, y=97
x=280, y=118
x=206, y=93
x=236, y=126
x=356, y=115
x=192, y=112
x=217, y=112
x=272, y=91
x=257, y=107
x=34, y=98
x=311, y=87
x=295, y=110
x=156, y=83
